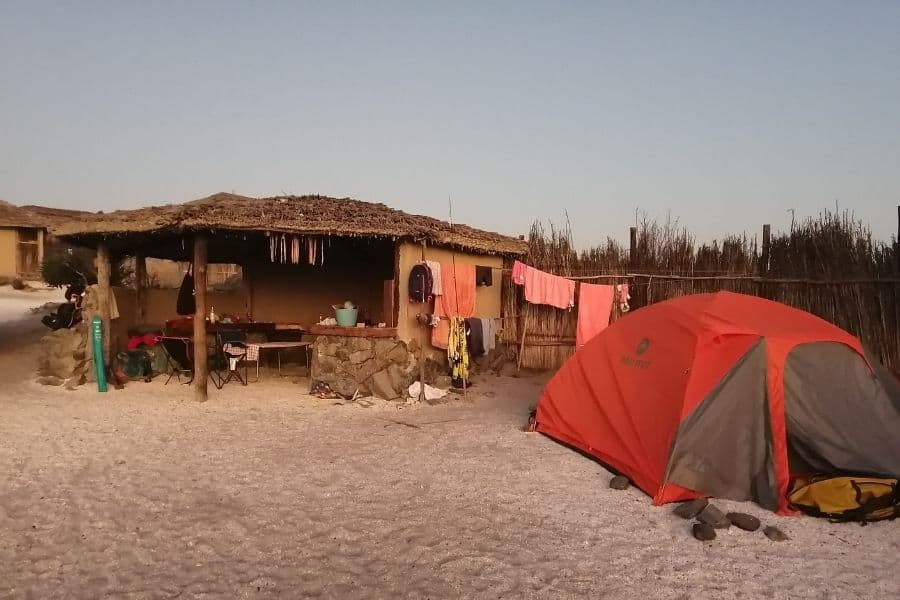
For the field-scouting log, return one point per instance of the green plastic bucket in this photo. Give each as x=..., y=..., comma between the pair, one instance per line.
x=345, y=317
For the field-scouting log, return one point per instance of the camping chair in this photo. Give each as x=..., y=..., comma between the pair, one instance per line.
x=231, y=347
x=178, y=358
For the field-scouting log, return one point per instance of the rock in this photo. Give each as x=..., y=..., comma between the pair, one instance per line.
x=360, y=345
x=743, y=521
x=703, y=532
x=690, y=509
x=398, y=378
x=359, y=356
x=345, y=386
x=398, y=354
x=413, y=346
x=443, y=382
x=50, y=380
x=619, y=482
x=714, y=517
x=508, y=369
x=73, y=382
x=381, y=386
x=775, y=534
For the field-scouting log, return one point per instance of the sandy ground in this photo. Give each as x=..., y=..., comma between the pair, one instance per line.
x=265, y=492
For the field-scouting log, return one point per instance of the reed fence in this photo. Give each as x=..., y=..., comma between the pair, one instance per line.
x=828, y=265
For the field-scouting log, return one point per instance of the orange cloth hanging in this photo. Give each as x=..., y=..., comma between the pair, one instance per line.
x=458, y=299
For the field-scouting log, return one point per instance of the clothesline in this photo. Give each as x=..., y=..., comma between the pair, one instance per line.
x=749, y=278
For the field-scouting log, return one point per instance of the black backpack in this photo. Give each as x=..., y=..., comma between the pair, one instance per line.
x=186, y=303
x=420, y=284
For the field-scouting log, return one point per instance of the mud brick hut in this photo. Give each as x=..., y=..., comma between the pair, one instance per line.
x=22, y=235
x=299, y=255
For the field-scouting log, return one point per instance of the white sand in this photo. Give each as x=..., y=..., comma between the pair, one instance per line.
x=264, y=492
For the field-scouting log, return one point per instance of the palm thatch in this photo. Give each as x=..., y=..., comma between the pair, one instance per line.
x=302, y=215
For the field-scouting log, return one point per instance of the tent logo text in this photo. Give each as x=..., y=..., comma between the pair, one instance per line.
x=642, y=347
x=637, y=363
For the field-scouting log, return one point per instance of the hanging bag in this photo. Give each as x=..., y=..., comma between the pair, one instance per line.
x=186, y=304
x=420, y=284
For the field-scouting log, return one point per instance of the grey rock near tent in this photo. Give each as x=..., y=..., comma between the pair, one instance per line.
x=714, y=517
x=690, y=509
x=743, y=521
x=775, y=534
x=619, y=483
x=703, y=532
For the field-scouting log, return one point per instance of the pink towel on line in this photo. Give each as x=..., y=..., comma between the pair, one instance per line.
x=595, y=303
x=544, y=288
x=518, y=273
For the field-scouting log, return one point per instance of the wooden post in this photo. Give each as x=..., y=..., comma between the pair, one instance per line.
x=632, y=248
x=766, y=247
x=103, y=272
x=522, y=346
x=140, y=287
x=424, y=337
x=897, y=244
x=201, y=368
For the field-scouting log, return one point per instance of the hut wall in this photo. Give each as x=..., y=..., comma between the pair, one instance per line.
x=8, y=242
x=487, y=299
x=302, y=293
x=161, y=308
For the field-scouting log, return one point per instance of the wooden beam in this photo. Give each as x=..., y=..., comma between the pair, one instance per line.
x=201, y=368
x=103, y=274
x=140, y=287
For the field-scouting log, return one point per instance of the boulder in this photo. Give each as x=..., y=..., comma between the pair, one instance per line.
x=619, y=482
x=690, y=509
x=50, y=380
x=399, y=377
x=775, y=534
x=382, y=386
x=714, y=517
x=743, y=521
x=359, y=356
x=703, y=532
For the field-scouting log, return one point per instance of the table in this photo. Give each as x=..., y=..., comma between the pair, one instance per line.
x=253, y=352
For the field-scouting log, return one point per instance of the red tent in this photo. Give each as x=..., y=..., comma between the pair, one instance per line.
x=725, y=395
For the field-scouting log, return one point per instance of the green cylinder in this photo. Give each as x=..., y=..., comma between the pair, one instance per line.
x=97, y=345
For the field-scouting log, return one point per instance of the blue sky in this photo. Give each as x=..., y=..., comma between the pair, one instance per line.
x=725, y=115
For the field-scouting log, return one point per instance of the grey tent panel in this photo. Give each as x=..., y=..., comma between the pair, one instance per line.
x=841, y=416
x=724, y=447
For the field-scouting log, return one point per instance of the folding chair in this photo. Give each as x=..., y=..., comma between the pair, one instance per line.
x=232, y=348
x=178, y=358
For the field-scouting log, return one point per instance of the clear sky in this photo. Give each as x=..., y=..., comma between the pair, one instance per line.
x=725, y=114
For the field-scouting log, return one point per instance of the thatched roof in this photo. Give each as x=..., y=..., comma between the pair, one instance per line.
x=303, y=215
x=54, y=217
x=17, y=216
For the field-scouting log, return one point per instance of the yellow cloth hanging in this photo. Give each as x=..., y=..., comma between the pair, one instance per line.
x=457, y=351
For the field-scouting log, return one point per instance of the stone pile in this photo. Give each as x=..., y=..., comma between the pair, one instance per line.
x=64, y=357
x=368, y=367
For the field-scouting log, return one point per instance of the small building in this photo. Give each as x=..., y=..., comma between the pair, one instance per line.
x=298, y=256
x=22, y=236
